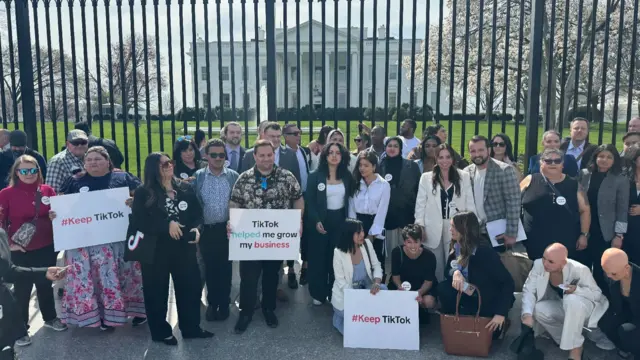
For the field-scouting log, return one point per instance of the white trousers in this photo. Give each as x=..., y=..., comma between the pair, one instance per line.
x=564, y=319
x=442, y=250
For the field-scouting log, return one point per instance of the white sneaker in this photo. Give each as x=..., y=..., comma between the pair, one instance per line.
x=600, y=339
x=24, y=341
x=317, y=302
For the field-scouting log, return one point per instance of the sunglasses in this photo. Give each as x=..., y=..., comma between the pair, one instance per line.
x=357, y=140
x=28, y=171
x=79, y=142
x=166, y=164
x=498, y=144
x=217, y=155
x=552, y=161
x=186, y=137
x=297, y=133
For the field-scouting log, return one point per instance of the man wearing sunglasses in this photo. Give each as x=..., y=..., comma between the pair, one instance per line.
x=213, y=186
x=18, y=147
x=69, y=161
x=292, y=136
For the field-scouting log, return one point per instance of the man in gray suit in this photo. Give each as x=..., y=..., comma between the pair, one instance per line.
x=285, y=158
x=495, y=189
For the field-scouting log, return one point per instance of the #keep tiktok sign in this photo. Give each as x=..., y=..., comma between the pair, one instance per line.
x=264, y=234
x=387, y=320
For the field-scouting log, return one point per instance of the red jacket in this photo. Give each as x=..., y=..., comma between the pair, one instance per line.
x=18, y=207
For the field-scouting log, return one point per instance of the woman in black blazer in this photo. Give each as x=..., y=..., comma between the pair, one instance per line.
x=404, y=177
x=327, y=202
x=471, y=267
x=167, y=212
x=631, y=243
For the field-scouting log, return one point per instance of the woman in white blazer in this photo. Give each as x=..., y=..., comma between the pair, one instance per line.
x=355, y=266
x=442, y=193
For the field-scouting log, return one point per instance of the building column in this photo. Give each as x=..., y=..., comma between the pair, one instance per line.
x=355, y=72
x=328, y=96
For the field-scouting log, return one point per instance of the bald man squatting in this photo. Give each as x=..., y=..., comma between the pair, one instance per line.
x=621, y=322
x=561, y=296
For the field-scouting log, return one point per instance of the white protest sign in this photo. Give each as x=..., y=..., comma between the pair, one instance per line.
x=90, y=218
x=264, y=234
x=387, y=320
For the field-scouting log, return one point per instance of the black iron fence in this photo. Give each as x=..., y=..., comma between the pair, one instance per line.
x=145, y=72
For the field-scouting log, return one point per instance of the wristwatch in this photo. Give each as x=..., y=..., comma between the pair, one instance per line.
x=585, y=234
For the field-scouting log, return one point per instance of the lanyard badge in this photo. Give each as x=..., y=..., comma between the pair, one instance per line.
x=263, y=183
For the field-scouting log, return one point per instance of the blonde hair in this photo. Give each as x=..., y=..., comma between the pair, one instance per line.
x=13, y=174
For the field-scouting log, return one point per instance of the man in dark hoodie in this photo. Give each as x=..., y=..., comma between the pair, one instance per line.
x=112, y=149
x=17, y=147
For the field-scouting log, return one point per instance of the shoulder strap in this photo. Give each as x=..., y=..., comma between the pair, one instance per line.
x=37, y=204
x=557, y=192
x=366, y=248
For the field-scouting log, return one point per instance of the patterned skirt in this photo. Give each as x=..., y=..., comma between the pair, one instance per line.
x=101, y=286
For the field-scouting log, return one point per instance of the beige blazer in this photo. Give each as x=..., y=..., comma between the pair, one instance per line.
x=343, y=270
x=538, y=282
x=428, y=210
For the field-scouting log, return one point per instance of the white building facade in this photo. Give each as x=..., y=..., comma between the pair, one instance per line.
x=301, y=95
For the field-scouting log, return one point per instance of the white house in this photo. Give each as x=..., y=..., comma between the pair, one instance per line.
x=302, y=95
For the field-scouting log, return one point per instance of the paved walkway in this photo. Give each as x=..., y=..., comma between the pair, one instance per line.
x=305, y=332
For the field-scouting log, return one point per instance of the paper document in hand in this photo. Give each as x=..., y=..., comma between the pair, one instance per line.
x=498, y=227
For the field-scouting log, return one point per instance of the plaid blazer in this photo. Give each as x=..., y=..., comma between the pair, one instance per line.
x=501, y=194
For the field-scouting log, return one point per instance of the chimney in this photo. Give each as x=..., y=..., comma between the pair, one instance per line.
x=382, y=32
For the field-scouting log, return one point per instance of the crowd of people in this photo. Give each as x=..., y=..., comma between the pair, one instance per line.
x=408, y=198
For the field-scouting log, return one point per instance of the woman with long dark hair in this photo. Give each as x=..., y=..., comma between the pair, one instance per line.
x=426, y=153
x=473, y=266
x=355, y=265
x=442, y=193
x=26, y=200
x=608, y=194
x=167, y=212
x=327, y=202
x=370, y=201
x=403, y=176
x=337, y=136
x=187, y=158
x=102, y=289
x=316, y=146
x=631, y=244
x=502, y=150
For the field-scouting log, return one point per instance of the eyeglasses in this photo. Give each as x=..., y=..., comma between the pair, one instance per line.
x=217, y=155
x=498, y=144
x=357, y=140
x=186, y=137
x=297, y=133
x=79, y=142
x=28, y=171
x=552, y=161
x=166, y=164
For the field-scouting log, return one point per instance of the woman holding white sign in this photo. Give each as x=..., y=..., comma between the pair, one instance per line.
x=167, y=212
x=102, y=289
x=355, y=266
x=327, y=203
x=24, y=205
x=471, y=262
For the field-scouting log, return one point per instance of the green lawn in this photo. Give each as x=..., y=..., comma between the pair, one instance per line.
x=142, y=145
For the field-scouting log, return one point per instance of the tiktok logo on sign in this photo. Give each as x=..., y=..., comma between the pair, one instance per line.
x=134, y=240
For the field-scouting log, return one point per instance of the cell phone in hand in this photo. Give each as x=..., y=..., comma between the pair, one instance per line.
x=574, y=282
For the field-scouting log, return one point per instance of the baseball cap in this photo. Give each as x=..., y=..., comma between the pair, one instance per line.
x=77, y=134
x=18, y=138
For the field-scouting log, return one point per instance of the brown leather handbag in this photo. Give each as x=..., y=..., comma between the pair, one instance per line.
x=466, y=335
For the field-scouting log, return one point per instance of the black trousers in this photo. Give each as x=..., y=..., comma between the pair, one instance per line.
x=214, y=246
x=378, y=244
x=321, y=248
x=22, y=288
x=621, y=332
x=177, y=260
x=592, y=257
x=249, y=274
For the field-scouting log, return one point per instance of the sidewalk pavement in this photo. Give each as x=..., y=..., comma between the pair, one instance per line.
x=305, y=332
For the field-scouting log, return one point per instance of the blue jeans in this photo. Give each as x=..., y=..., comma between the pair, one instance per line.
x=338, y=315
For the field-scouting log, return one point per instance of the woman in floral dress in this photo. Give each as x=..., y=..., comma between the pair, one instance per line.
x=102, y=288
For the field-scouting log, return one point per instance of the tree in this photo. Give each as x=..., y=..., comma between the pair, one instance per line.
x=512, y=8
x=131, y=64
